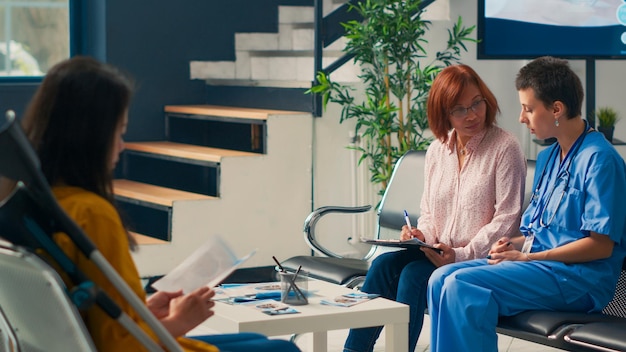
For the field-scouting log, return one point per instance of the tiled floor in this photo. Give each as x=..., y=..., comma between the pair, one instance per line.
x=336, y=339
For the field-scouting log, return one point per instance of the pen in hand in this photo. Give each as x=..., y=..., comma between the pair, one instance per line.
x=408, y=222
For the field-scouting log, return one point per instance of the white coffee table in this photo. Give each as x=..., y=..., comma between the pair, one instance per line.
x=318, y=319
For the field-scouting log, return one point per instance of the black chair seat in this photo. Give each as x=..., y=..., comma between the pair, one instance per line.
x=605, y=335
x=339, y=271
x=550, y=328
x=546, y=323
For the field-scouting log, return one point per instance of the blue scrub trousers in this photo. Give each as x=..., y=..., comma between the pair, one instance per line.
x=466, y=298
x=401, y=276
x=246, y=342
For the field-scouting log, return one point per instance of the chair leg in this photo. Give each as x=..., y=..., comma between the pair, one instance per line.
x=356, y=283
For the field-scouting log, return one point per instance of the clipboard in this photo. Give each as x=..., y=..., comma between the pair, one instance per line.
x=412, y=243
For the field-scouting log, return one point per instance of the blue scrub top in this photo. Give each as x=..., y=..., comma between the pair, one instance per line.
x=567, y=210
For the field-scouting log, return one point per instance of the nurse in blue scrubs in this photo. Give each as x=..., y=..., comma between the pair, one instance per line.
x=574, y=230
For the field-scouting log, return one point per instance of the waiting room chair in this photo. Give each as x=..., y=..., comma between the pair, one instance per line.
x=404, y=191
x=36, y=313
x=580, y=332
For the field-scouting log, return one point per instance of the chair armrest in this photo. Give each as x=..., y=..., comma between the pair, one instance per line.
x=316, y=215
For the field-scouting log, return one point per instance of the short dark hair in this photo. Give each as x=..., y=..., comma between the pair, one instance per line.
x=72, y=119
x=552, y=80
x=445, y=93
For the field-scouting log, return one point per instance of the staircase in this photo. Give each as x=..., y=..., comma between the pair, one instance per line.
x=218, y=173
x=283, y=59
x=244, y=173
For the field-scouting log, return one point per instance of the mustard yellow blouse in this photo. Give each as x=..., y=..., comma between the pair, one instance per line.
x=102, y=224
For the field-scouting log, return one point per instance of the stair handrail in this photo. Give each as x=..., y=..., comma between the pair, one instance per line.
x=328, y=29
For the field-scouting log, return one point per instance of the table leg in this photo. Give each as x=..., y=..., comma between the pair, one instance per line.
x=397, y=337
x=320, y=341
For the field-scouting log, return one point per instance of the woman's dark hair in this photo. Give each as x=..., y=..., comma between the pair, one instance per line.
x=552, y=80
x=445, y=93
x=71, y=122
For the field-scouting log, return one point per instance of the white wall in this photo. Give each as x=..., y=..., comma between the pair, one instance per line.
x=332, y=166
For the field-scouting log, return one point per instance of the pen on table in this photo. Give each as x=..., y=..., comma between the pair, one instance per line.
x=297, y=272
x=278, y=263
x=293, y=284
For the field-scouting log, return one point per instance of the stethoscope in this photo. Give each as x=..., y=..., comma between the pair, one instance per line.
x=563, y=167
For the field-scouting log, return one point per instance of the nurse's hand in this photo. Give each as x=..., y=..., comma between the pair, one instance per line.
x=510, y=255
x=446, y=256
x=503, y=244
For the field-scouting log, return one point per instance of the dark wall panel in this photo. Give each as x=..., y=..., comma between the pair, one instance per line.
x=154, y=40
x=16, y=97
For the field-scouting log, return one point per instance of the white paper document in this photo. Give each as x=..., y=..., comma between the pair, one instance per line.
x=209, y=265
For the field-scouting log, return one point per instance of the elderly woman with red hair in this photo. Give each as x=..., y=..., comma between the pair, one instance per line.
x=473, y=192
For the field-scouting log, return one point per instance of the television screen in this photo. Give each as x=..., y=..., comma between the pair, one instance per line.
x=575, y=29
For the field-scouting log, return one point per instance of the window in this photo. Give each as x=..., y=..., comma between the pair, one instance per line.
x=34, y=35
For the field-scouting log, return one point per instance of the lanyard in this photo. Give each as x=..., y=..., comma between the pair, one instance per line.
x=542, y=200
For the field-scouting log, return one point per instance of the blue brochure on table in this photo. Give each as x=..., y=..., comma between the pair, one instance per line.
x=349, y=299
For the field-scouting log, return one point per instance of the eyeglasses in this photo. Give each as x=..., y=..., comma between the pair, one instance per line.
x=478, y=107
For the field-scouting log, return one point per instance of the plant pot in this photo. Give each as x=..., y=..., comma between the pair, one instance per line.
x=607, y=132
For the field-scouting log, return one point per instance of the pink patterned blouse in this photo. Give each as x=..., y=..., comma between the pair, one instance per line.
x=471, y=208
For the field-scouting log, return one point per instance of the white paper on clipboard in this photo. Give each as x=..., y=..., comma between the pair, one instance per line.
x=410, y=243
x=209, y=265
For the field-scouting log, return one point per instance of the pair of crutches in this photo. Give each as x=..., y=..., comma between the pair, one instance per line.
x=31, y=215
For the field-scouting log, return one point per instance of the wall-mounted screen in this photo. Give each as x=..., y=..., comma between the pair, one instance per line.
x=576, y=29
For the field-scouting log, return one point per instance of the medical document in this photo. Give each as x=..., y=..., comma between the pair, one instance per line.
x=209, y=265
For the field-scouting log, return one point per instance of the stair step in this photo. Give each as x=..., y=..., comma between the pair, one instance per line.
x=153, y=194
x=149, y=208
x=254, y=94
x=256, y=41
x=273, y=65
x=293, y=53
x=228, y=111
x=147, y=240
x=259, y=83
x=184, y=151
x=298, y=69
x=296, y=14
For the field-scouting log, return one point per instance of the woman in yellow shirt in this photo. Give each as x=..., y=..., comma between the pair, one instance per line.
x=75, y=122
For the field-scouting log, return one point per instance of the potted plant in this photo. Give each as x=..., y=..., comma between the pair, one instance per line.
x=390, y=48
x=607, y=117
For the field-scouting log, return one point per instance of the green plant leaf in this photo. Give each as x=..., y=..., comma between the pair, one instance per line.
x=390, y=47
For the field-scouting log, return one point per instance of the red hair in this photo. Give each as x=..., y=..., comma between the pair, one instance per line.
x=445, y=93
